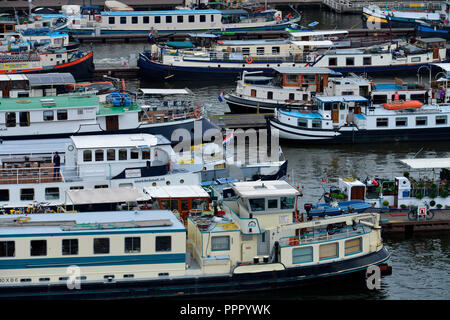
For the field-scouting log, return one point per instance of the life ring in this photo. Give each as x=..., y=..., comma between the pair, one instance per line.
x=23, y=219
x=278, y=18
x=98, y=18
x=197, y=113
x=249, y=59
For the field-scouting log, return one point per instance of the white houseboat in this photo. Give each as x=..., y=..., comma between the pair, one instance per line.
x=255, y=245
x=65, y=115
x=96, y=22
x=265, y=55
x=349, y=119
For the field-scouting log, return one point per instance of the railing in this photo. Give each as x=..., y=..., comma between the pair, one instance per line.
x=324, y=236
x=247, y=225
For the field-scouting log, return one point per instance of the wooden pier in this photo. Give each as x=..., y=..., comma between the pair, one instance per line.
x=397, y=223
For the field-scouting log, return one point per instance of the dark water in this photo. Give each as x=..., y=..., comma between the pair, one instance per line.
x=421, y=265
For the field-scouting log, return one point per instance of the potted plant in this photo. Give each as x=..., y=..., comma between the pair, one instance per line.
x=419, y=195
x=403, y=206
x=443, y=193
x=385, y=203
x=439, y=206
x=432, y=194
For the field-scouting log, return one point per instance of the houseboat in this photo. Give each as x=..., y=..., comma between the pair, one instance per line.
x=255, y=245
x=212, y=64
x=96, y=22
x=295, y=87
x=376, y=18
x=77, y=114
x=349, y=119
x=79, y=64
x=424, y=186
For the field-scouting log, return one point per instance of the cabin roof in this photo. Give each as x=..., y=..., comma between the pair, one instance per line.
x=300, y=34
x=12, y=77
x=139, y=140
x=50, y=78
x=106, y=195
x=252, y=42
x=165, y=91
x=349, y=98
x=428, y=163
x=58, y=102
x=92, y=222
x=429, y=40
x=159, y=13
x=313, y=43
x=265, y=188
x=303, y=70
x=184, y=191
x=297, y=114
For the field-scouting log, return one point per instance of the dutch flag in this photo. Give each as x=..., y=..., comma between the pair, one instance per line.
x=220, y=97
x=228, y=139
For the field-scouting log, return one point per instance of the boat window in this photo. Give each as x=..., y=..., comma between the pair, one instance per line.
x=328, y=251
x=260, y=51
x=220, y=243
x=110, y=154
x=7, y=248
x=257, y=204
x=134, y=20
x=101, y=245
x=302, y=255
x=69, y=247
x=134, y=154
x=379, y=98
x=111, y=20
x=316, y=123
x=421, y=121
x=302, y=123
x=327, y=106
x=415, y=59
x=99, y=155
x=269, y=95
x=61, y=114
x=163, y=243
x=291, y=96
x=87, y=155
x=168, y=19
x=51, y=193
x=27, y=194
x=202, y=18
x=146, y=20
x=252, y=93
x=441, y=119
x=367, y=61
x=287, y=202
x=199, y=204
x=332, y=61
x=382, y=122
x=350, y=61
x=173, y=204
x=184, y=205
x=353, y=246
x=272, y=204
x=420, y=97
x=164, y=204
x=157, y=19
x=38, y=247
x=401, y=122
x=132, y=245
x=4, y=195
x=76, y=188
x=309, y=78
x=145, y=154
x=275, y=50
x=291, y=78
x=246, y=51
x=24, y=119
x=48, y=115
x=400, y=97
x=180, y=19
x=122, y=154
x=10, y=119
x=191, y=18
x=123, y=20
x=100, y=186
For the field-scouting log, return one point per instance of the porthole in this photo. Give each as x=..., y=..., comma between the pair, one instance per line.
x=168, y=183
x=181, y=181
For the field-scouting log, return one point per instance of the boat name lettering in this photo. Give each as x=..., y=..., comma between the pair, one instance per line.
x=149, y=180
x=9, y=280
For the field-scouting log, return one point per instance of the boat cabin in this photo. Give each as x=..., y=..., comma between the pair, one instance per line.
x=352, y=188
x=184, y=199
x=433, y=44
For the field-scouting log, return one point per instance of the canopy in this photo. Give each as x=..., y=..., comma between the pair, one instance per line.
x=106, y=195
x=429, y=163
x=185, y=191
x=165, y=91
x=50, y=79
x=327, y=43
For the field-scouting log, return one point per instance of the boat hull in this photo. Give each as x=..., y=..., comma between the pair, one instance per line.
x=205, y=284
x=431, y=32
x=354, y=135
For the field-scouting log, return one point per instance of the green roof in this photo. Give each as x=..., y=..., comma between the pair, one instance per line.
x=30, y=103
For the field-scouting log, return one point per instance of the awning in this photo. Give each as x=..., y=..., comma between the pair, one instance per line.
x=165, y=91
x=429, y=163
x=50, y=79
x=444, y=66
x=106, y=195
x=185, y=191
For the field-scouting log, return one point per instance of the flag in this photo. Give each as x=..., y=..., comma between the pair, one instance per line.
x=228, y=139
x=221, y=95
x=150, y=36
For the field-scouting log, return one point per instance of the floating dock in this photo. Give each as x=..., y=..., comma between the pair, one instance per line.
x=397, y=223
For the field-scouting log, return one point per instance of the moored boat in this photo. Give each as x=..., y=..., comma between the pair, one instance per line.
x=255, y=245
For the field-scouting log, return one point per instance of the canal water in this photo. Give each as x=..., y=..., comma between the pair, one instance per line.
x=421, y=264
